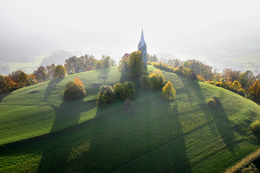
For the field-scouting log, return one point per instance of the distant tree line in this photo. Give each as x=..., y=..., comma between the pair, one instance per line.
x=20, y=79
x=243, y=83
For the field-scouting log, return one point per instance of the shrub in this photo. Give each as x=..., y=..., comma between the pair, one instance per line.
x=168, y=91
x=144, y=81
x=129, y=106
x=219, y=84
x=106, y=94
x=212, y=82
x=213, y=102
x=117, y=88
x=255, y=126
x=74, y=89
x=160, y=77
x=200, y=78
x=153, y=81
x=128, y=90
x=250, y=169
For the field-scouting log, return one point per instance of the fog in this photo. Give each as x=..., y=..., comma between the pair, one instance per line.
x=204, y=30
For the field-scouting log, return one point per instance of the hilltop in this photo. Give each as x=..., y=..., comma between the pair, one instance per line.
x=40, y=132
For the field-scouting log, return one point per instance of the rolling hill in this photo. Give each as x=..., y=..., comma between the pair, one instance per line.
x=40, y=132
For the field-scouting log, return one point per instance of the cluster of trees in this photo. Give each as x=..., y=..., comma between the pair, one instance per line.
x=19, y=79
x=245, y=84
x=16, y=80
x=87, y=62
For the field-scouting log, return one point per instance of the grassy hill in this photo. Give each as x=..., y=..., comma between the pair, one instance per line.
x=184, y=135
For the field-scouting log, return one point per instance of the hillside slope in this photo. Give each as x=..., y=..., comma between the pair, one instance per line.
x=184, y=135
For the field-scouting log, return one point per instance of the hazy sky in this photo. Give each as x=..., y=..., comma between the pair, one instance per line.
x=114, y=27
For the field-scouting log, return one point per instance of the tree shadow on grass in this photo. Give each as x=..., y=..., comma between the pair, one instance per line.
x=67, y=117
x=51, y=87
x=224, y=126
x=2, y=96
x=103, y=74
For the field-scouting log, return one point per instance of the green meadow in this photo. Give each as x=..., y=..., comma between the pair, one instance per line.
x=40, y=132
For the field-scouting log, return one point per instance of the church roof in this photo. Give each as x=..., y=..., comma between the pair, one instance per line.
x=142, y=42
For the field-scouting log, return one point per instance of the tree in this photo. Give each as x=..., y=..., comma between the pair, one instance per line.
x=32, y=79
x=50, y=70
x=254, y=90
x=136, y=66
x=246, y=79
x=160, y=77
x=105, y=61
x=74, y=89
x=9, y=84
x=59, y=71
x=40, y=74
x=23, y=80
x=99, y=65
x=168, y=91
x=153, y=81
x=89, y=68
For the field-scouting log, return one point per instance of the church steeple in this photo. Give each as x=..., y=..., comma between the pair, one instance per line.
x=143, y=48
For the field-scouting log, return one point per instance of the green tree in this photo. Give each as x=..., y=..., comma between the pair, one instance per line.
x=40, y=74
x=168, y=91
x=59, y=71
x=246, y=79
x=99, y=64
x=136, y=65
x=105, y=61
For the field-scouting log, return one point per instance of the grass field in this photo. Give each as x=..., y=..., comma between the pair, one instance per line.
x=183, y=135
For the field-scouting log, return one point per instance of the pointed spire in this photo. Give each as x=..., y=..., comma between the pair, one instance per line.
x=142, y=38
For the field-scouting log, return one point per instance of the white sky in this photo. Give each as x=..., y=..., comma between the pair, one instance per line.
x=114, y=27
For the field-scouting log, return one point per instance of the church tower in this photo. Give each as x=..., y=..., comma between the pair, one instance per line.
x=143, y=48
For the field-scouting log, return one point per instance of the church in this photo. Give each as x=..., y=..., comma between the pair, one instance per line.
x=141, y=47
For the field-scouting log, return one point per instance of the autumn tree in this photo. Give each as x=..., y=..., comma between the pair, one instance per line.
x=89, y=68
x=9, y=84
x=136, y=66
x=74, y=89
x=254, y=90
x=168, y=91
x=32, y=79
x=59, y=71
x=23, y=80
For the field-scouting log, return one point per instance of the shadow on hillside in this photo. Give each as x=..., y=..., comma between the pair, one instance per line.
x=67, y=115
x=192, y=86
x=138, y=142
x=224, y=126
x=3, y=95
x=51, y=87
x=103, y=74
